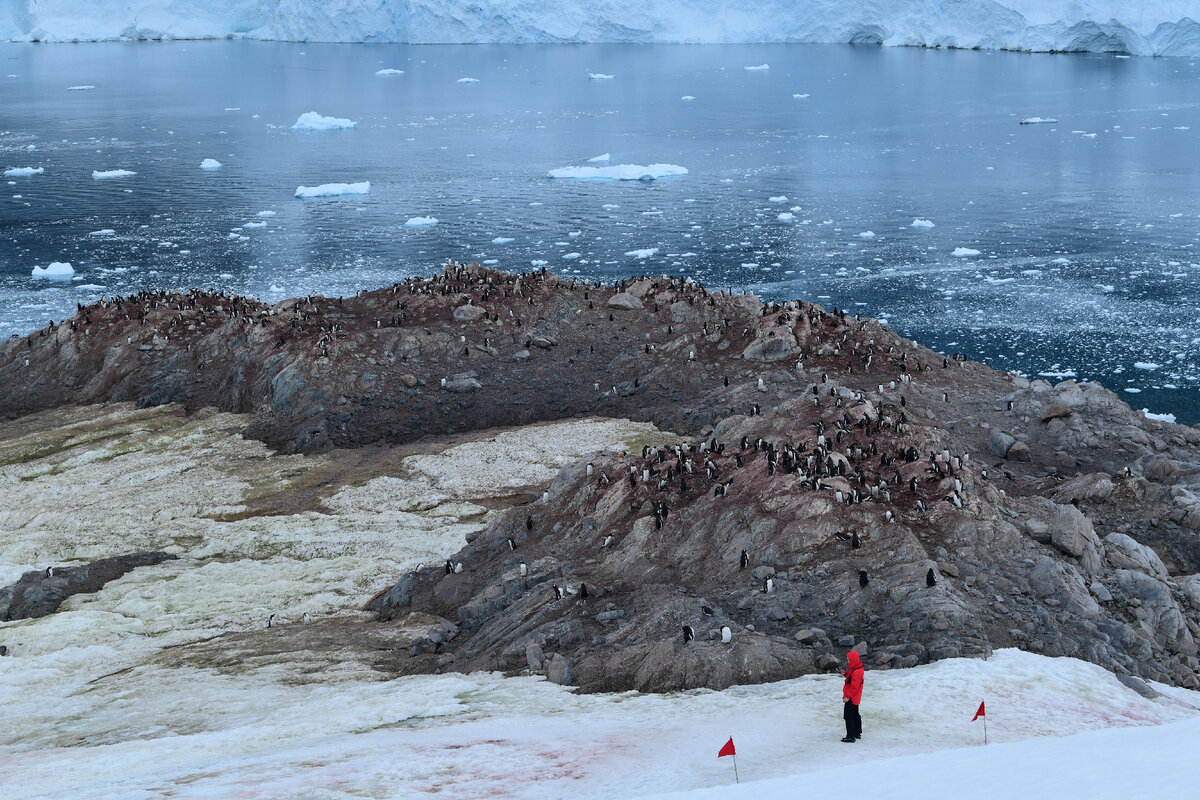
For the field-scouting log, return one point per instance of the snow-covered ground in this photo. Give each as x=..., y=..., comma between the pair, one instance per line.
x=166, y=683
x=1152, y=27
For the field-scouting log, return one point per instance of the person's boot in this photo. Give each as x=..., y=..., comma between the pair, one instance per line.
x=848, y=739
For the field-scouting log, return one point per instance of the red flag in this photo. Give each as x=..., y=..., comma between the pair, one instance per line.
x=727, y=750
x=978, y=713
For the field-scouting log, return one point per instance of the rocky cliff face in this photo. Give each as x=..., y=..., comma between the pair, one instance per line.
x=837, y=486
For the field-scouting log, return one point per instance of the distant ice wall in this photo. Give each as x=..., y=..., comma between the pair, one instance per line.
x=1138, y=27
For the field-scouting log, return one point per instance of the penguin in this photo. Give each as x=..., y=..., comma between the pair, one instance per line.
x=930, y=580
x=524, y=569
x=449, y=567
x=855, y=543
x=1010, y=405
x=745, y=561
x=49, y=572
x=270, y=620
x=558, y=592
x=583, y=592
x=607, y=540
x=307, y=618
x=458, y=568
x=707, y=611
x=529, y=523
x=863, y=580
x=726, y=634
x=589, y=470
x=688, y=633
x=768, y=586
x=3, y=650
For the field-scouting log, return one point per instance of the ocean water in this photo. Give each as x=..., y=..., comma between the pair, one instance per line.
x=1086, y=228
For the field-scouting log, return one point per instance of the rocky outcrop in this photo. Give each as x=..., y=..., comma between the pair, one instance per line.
x=890, y=499
x=41, y=592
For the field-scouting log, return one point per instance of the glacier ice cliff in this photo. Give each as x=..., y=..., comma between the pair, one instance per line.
x=1151, y=27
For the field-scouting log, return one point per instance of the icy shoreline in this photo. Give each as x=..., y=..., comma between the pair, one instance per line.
x=1162, y=28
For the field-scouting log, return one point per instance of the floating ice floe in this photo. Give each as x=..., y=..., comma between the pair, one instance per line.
x=1037, y=120
x=779, y=198
x=538, y=263
x=95, y=287
x=786, y=216
x=312, y=121
x=1146, y=365
x=102, y=232
x=687, y=98
x=333, y=189
x=644, y=253
x=390, y=71
x=266, y=214
x=1132, y=390
x=58, y=270
x=599, y=76
x=254, y=225
x=23, y=172
x=1148, y=414
x=867, y=235
x=619, y=172
x=799, y=96
x=571, y=256
x=503, y=240
x=1061, y=261
x=964, y=252
x=603, y=158
x=210, y=164
x=468, y=80
x=921, y=223
x=421, y=222
x=80, y=88
x=104, y=175
x=759, y=68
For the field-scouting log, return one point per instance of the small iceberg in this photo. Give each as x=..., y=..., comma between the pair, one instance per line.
x=312, y=121
x=83, y=88
x=468, y=80
x=421, y=222
x=921, y=223
x=599, y=76
x=642, y=254
x=102, y=232
x=58, y=270
x=333, y=189
x=1146, y=365
x=964, y=252
x=603, y=158
x=759, y=68
x=210, y=164
x=799, y=96
x=867, y=235
x=1037, y=120
x=779, y=198
x=687, y=98
x=91, y=287
x=786, y=216
x=390, y=71
x=503, y=240
x=620, y=172
x=23, y=172
x=265, y=214
x=105, y=175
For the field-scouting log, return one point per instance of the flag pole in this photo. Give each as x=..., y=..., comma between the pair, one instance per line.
x=736, y=779
x=985, y=741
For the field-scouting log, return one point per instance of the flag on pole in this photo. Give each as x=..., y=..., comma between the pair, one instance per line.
x=978, y=714
x=727, y=750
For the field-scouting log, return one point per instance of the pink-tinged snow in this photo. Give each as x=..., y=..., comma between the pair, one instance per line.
x=267, y=733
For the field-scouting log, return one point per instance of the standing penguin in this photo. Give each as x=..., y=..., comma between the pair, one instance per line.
x=688, y=633
x=863, y=580
x=930, y=578
x=854, y=541
x=745, y=561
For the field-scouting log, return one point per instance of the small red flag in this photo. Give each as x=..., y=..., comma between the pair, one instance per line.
x=978, y=713
x=727, y=750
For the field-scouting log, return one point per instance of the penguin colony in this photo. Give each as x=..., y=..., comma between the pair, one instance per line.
x=858, y=449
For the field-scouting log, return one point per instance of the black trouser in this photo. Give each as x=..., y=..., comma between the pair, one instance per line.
x=853, y=721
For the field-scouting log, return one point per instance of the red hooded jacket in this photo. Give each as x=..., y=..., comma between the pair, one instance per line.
x=852, y=691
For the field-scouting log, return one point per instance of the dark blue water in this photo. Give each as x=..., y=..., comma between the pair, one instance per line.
x=1087, y=229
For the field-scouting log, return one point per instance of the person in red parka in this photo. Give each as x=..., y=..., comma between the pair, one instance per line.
x=852, y=696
